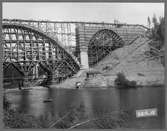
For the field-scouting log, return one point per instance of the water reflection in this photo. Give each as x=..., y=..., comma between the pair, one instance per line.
x=135, y=99
x=96, y=102
x=24, y=99
x=87, y=101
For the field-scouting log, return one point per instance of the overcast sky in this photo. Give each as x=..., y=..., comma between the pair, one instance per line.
x=131, y=13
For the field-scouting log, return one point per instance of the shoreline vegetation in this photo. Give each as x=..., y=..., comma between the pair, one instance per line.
x=90, y=87
x=76, y=117
x=120, y=82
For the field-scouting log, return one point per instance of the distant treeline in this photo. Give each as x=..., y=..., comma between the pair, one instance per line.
x=157, y=34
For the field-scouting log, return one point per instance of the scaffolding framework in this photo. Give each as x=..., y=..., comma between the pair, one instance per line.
x=55, y=46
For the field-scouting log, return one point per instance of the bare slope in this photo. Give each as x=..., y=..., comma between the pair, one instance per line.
x=71, y=82
x=134, y=62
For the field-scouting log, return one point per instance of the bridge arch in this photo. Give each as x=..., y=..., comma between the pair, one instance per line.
x=27, y=47
x=101, y=44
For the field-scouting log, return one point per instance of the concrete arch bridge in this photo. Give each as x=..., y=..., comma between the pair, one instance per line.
x=29, y=53
x=57, y=49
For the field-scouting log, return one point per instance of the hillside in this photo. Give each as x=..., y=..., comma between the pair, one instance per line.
x=134, y=61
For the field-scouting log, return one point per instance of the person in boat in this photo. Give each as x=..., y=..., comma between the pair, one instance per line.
x=48, y=100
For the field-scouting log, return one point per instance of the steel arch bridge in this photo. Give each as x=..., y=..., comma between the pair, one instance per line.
x=34, y=53
x=101, y=44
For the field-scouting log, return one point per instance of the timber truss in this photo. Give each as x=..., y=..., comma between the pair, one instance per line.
x=26, y=48
x=101, y=44
x=38, y=47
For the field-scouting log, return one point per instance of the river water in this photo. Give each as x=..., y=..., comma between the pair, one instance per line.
x=94, y=100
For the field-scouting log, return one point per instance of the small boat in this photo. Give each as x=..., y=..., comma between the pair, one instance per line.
x=78, y=85
x=25, y=88
x=48, y=100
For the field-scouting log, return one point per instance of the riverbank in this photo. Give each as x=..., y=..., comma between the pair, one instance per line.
x=75, y=117
x=97, y=103
x=100, y=82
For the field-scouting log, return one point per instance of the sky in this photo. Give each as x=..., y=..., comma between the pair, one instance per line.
x=130, y=13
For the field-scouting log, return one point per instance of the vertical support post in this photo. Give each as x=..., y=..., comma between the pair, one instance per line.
x=68, y=36
x=54, y=77
x=17, y=45
x=35, y=71
x=83, y=47
x=84, y=58
x=44, y=50
x=25, y=78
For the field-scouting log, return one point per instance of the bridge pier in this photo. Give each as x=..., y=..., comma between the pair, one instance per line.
x=53, y=77
x=84, y=57
x=25, y=83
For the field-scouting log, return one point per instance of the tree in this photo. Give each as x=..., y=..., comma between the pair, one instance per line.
x=161, y=29
x=157, y=35
x=122, y=82
x=157, y=32
x=154, y=20
x=149, y=21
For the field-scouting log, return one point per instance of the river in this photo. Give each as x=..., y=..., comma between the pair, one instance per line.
x=94, y=101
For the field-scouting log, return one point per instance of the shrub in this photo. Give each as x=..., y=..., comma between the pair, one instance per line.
x=122, y=82
x=6, y=103
x=112, y=120
x=14, y=118
x=132, y=84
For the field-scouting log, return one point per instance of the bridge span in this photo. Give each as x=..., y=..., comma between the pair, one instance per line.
x=59, y=49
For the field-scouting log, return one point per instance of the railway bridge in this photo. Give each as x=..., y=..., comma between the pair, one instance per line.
x=59, y=49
